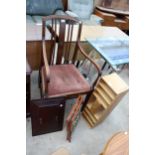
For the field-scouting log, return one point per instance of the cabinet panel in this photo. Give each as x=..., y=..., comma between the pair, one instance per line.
x=47, y=115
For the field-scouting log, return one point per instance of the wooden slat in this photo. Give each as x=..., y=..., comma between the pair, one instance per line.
x=102, y=91
x=91, y=124
x=102, y=96
x=61, y=41
x=34, y=40
x=33, y=53
x=94, y=120
x=110, y=84
x=97, y=115
x=107, y=90
x=104, y=15
x=122, y=24
x=100, y=100
x=115, y=83
x=120, y=12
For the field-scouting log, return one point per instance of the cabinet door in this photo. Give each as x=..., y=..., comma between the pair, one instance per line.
x=47, y=115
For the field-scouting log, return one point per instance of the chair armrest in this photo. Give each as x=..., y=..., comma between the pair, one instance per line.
x=92, y=61
x=45, y=61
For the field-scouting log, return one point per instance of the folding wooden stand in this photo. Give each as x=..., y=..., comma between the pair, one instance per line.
x=73, y=117
x=106, y=95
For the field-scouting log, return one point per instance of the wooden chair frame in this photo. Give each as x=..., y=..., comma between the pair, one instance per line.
x=60, y=40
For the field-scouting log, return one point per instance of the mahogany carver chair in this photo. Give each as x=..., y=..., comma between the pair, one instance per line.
x=59, y=76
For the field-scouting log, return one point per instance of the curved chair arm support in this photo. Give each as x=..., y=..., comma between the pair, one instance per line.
x=47, y=70
x=92, y=61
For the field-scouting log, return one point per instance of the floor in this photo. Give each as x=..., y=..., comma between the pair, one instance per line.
x=85, y=141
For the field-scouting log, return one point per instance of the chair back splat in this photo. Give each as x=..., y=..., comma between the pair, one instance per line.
x=64, y=46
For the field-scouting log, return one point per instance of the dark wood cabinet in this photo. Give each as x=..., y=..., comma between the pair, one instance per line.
x=47, y=115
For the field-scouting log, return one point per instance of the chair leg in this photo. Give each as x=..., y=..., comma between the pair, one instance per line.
x=86, y=100
x=39, y=85
x=39, y=80
x=103, y=66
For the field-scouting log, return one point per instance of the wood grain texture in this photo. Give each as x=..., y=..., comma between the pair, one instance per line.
x=115, y=83
x=109, y=10
x=65, y=4
x=122, y=24
x=106, y=95
x=33, y=53
x=110, y=19
x=63, y=78
x=117, y=145
x=107, y=17
x=47, y=115
x=34, y=42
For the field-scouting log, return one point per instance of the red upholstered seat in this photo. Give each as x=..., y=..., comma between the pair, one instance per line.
x=66, y=80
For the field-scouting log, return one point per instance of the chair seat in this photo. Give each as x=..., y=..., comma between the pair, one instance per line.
x=65, y=80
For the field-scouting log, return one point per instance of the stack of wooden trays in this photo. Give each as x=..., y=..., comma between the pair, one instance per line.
x=108, y=92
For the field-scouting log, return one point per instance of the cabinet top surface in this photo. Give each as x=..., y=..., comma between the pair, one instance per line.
x=115, y=83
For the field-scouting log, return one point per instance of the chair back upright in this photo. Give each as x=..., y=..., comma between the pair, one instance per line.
x=65, y=34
